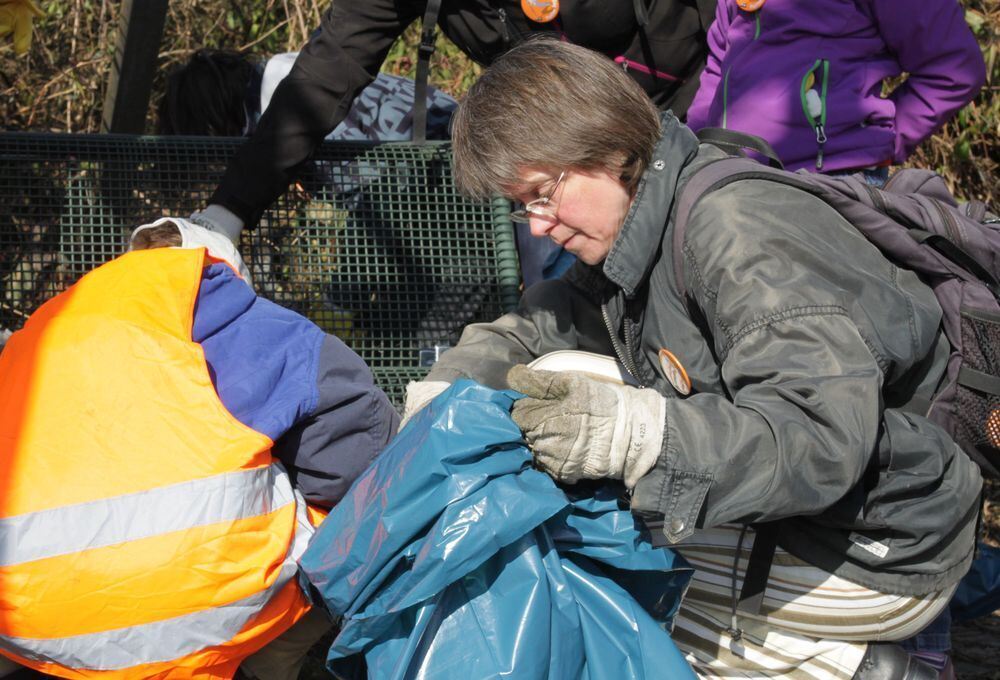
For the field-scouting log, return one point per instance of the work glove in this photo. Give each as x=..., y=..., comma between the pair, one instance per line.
x=220, y=220
x=419, y=394
x=15, y=18
x=582, y=428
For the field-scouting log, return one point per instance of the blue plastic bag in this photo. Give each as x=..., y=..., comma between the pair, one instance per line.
x=451, y=557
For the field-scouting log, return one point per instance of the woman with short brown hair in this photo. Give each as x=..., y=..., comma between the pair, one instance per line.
x=762, y=389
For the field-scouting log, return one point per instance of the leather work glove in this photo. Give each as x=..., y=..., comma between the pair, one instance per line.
x=15, y=18
x=582, y=428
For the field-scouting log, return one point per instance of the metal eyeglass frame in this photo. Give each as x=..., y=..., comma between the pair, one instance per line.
x=539, y=206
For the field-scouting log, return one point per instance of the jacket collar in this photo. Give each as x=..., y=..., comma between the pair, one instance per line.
x=638, y=244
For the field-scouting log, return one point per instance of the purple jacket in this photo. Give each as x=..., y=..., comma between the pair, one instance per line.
x=761, y=66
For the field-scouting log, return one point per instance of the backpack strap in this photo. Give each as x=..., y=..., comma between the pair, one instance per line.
x=714, y=175
x=977, y=380
x=428, y=34
x=758, y=567
x=758, y=570
x=956, y=254
x=734, y=143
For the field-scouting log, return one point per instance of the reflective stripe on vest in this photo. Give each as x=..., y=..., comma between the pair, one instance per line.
x=182, y=635
x=143, y=529
x=70, y=529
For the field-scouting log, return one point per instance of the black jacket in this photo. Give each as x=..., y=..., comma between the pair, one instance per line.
x=346, y=54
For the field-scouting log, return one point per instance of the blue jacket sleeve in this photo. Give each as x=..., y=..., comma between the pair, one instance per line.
x=280, y=375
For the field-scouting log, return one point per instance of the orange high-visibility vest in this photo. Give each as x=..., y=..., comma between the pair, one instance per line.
x=144, y=531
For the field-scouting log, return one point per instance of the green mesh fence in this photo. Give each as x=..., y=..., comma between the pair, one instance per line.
x=373, y=243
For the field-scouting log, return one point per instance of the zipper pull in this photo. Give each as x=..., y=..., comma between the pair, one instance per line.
x=502, y=13
x=814, y=106
x=820, y=140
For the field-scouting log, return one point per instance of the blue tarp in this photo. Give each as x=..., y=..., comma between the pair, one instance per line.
x=451, y=557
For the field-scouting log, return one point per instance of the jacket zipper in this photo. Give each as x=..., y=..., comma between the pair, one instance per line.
x=876, y=197
x=622, y=352
x=630, y=351
x=814, y=104
x=949, y=224
x=725, y=98
x=502, y=13
x=626, y=64
x=725, y=77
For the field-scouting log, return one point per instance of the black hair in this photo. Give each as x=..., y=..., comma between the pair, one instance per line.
x=207, y=95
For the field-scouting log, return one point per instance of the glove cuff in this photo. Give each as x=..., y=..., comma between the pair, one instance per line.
x=219, y=219
x=647, y=416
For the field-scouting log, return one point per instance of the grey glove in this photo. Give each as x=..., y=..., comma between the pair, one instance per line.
x=582, y=428
x=220, y=220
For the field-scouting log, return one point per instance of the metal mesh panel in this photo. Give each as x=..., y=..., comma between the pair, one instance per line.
x=373, y=244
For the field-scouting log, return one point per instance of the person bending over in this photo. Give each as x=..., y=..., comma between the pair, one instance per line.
x=773, y=395
x=224, y=93
x=167, y=439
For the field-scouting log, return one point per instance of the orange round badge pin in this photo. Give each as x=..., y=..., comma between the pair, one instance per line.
x=540, y=11
x=674, y=372
x=749, y=5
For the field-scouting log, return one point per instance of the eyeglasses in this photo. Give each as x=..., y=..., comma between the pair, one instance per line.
x=538, y=207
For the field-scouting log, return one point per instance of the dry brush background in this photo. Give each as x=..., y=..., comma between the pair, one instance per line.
x=59, y=86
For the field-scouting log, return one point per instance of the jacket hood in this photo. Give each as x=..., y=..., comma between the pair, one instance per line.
x=196, y=236
x=636, y=249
